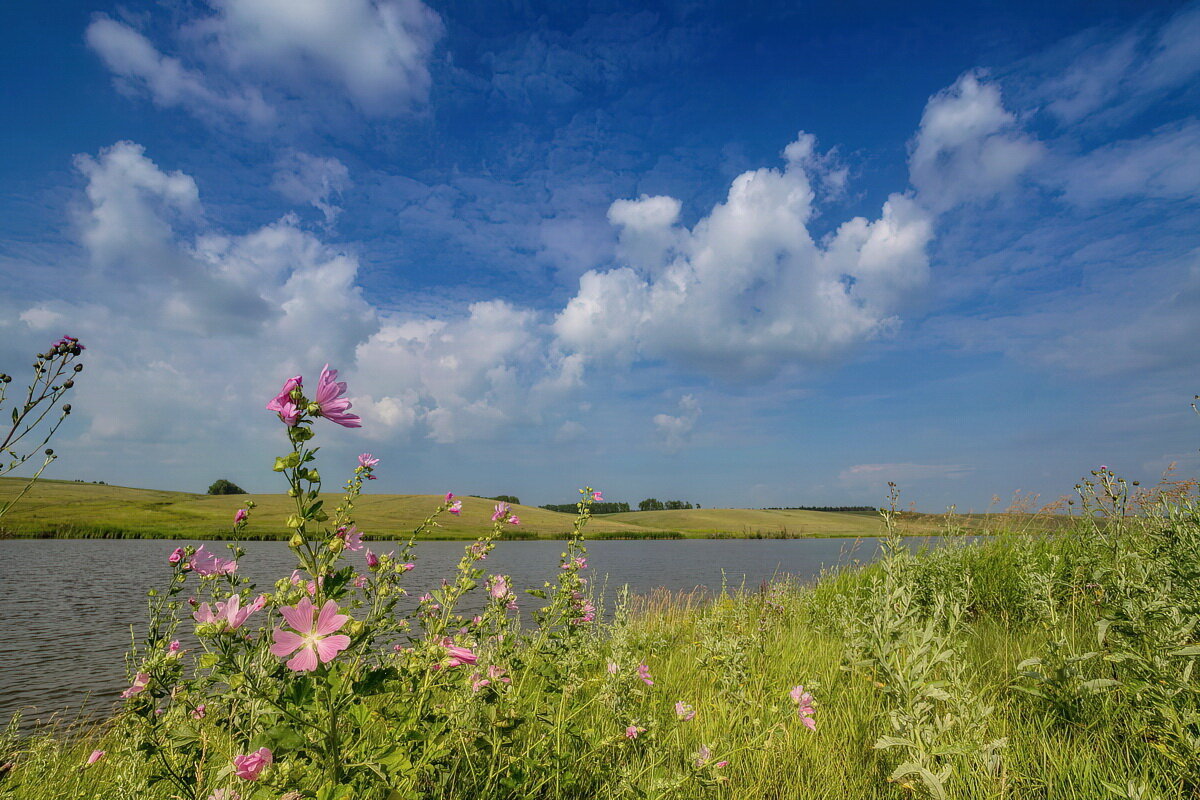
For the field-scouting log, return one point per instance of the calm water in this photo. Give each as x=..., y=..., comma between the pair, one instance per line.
x=66, y=606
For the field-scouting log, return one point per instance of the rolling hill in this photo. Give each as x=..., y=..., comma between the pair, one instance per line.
x=753, y=522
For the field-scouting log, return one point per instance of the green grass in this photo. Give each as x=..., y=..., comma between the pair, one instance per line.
x=753, y=522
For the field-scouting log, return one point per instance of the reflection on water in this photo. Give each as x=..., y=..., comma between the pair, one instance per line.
x=68, y=607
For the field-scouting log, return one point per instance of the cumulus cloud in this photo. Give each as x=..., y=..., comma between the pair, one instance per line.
x=676, y=431
x=304, y=178
x=249, y=57
x=968, y=148
x=746, y=288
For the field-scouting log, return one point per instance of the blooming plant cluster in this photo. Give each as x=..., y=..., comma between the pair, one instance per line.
x=321, y=686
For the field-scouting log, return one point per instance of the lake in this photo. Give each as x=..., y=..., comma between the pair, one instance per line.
x=67, y=606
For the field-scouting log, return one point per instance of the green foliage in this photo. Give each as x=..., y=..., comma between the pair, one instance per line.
x=222, y=486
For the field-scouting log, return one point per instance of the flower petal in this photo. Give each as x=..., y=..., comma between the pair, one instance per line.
x=305, y=660
x=330, y=620
x=330, y=646
x=286, y=642
x=299, y=616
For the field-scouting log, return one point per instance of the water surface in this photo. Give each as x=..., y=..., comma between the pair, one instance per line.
x=67, y=606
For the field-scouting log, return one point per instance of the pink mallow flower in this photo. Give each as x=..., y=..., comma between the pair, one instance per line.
x=230, y=612
x=597, y=497
x=705, y=755
x=684, y=711
x=455, y=507
x=372, y=559
x=449, y=496
x=313, y=637
x=501, y=511
x=632, y=731
x=514, y=520
x=205, y=564
x=199, y=712
x=249, y=767
x=643, y=672
x=176, y=556
x=140, y=682
x=455, y=656
x=241, y=515
x=284, y=405
x=352, y=536
x=804, y=706
x=95, y=756
x=334, y=407
x=367, y=461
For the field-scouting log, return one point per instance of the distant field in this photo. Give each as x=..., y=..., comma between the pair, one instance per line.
x=753, y=522
x=85, y=510
x=65, y=508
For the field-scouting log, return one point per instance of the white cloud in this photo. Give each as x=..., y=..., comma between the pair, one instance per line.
x=968, y=147
x=1162, y=164
x=904, y=473
x=746, y=289
x=138, y=66
x=41, y=318
x=304, y=178
x=250, y=57
x=676, y=431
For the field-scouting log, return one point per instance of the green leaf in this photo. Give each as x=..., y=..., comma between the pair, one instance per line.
x=1190, y=650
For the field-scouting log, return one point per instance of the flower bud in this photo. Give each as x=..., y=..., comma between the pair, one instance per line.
x=296, y=541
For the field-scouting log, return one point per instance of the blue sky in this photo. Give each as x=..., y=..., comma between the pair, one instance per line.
x=741, y=254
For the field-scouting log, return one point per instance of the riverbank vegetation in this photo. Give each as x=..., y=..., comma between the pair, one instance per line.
x=1054, y=664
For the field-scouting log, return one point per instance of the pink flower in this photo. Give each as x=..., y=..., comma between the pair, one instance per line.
x=804, y=706
x=705, y=755
x=578, y=562
x=229, y=613
x=95, y=756
x=199, y=712
x=240, y=515
x=367, y=461
x=173, y=647
x=372, y=559
x=206, y=564
x=587, y=613
x=313, y=637
x=333, y=406
x=455, y=656
x=632, y=732
x=597, y=497
x=176, y=556
x=352, y=537
x=249, y=767
x=497, y=674
x=449, y=496
x=499, y=587
x=643, y=672
x=406, y=567
x=455, y=507
x=613, y=669
x=284, y=405
x=501, y=512
x=684, y=711
x=224, y=794
x=140, y=682
x=514, y=520
x=360, y=581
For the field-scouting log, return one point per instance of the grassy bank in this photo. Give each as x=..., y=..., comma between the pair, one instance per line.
x=1031, y=666
x=65, y=509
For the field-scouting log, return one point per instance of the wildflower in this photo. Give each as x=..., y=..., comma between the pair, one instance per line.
x=240, y=515
x=405, y=567
x=705, y=755
x=352, y=536
x=684, y=711
x=455, y=507
x=230, y=613
x=206, y=564
x=578, y=562
x=199, y=711
x=224, y=794
x=176, y=556
x=643, y=672
x=372, y=560
x=587, y=613
x=499, y=587
x=249, y=767
x=449, y=496
x=332, y=405
x=597, y=497
x=367, y=461
x=455, y=656
x=514, y=520
x=632, y=731
x=95, y=756
x=314, y=637
x=173, y=647
x=360, y=581
x=613, y=669
x=497, y=674
x=284, y=405
x=140, y=682
x=804, y=706
x=478, y=682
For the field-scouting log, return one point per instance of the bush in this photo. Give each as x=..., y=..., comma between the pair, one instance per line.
x=223, y=486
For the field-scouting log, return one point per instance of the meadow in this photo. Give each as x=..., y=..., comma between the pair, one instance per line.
x=1053, y=664
x=84, y=510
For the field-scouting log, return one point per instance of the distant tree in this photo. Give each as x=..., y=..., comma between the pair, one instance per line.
x=597, y=508
x=222, y=486
x=651, y=504
x=506, y=498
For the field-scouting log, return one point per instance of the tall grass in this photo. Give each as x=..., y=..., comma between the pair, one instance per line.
x=1051, y=665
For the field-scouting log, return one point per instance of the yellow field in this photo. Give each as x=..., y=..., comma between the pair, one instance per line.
x=753, y=522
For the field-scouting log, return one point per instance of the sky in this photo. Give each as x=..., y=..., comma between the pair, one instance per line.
x=741, y=254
